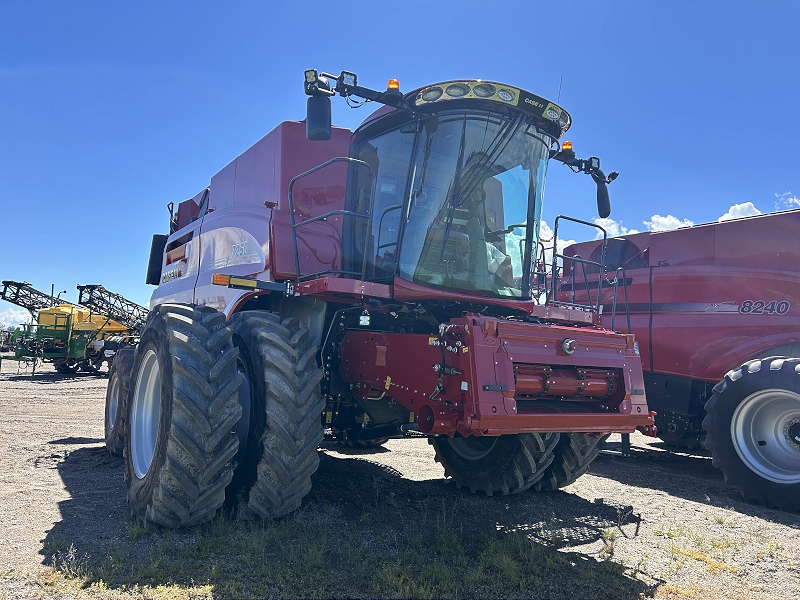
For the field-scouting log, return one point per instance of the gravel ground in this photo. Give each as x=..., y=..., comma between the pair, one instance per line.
x=669, y=517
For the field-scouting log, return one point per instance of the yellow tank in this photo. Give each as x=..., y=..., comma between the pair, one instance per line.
x=80, y=319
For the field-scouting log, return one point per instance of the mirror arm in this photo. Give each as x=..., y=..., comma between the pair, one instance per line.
x=321, y=86
x=590, y=166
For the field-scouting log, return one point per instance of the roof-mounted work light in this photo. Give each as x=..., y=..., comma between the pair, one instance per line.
x=316, y=84
x=347, y=83
x=348, y=79
x=318, y=106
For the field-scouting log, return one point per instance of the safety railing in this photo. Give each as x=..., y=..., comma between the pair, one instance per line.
x=324, y=217
x=614, y=299
x=574, y=261
x=585, y=276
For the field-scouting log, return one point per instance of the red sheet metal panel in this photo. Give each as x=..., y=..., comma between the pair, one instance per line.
x=475, y=377
x=715, y=296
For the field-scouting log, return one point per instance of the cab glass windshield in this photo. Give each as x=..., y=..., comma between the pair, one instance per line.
x=457, y=202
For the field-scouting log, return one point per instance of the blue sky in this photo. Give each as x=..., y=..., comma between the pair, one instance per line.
x=109, y=110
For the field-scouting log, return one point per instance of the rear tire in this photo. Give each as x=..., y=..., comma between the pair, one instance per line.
x=752, y=428
x=572, y=457
x=182, y=410
x=119, y=378
x=504, y=464
x=286, y=403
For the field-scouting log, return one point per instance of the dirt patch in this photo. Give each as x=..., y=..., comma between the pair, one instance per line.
x=665, y=524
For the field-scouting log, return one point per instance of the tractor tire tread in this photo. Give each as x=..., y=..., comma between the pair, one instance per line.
x=572, y=457
x=738, y=383
x=294, y=403
x=120, y=368
x=200, y=443
x=514, y=464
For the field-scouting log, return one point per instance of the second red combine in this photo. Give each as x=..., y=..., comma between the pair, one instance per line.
x=371, y=283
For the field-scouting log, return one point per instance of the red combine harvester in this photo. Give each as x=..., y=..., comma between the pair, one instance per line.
x=716, y=311
x=370, y=283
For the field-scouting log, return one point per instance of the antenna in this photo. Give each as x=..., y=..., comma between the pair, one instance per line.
x=560, y=81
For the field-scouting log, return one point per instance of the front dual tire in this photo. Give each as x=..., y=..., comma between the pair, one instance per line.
x=279, y=366
x=192, y=376
x=182, y=412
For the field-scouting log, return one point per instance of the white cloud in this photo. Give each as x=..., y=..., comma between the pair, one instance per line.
x=787, y=200
x=12, y=317
x=546, y=237
x=737, y=211
x=659, y=223
x=613, y=228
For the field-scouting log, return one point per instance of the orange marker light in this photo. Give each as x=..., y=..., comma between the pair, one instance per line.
x=566, y=146
x=220, y=279
x=393, y=85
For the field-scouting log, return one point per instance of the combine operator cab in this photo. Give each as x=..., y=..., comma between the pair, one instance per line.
x=446, y=184
x=367, y=285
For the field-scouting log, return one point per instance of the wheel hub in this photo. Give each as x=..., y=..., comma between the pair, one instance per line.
x=765, y=430
x=145, y=414
x=793, y=433
x=113, y=403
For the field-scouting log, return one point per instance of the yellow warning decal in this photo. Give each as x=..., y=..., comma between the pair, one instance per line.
x=388, y=382
x=464, y=350
x=433, y=341
x=411, y=417
x=328, y=416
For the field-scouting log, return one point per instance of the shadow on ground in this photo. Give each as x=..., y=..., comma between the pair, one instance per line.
x=50, y=377
x=683, y=474
x=364, y=531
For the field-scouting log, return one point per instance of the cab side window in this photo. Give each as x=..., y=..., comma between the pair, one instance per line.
x=376, y=238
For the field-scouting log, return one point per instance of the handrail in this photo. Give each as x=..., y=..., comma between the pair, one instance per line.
x=592, y=305
x=368, y=216
x=614, y=304
x=551, y=297
x=619, y=275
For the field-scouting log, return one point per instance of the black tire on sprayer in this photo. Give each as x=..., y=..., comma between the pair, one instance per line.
x=571, y=459
x=119, y=378
x=752, y=428
x=504, y=464
x=279, y=363
x=182, y=410
x=66, y=366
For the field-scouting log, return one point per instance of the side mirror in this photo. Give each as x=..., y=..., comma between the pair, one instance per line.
x=156, y=257
x=603, y=201
x=318, y=118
